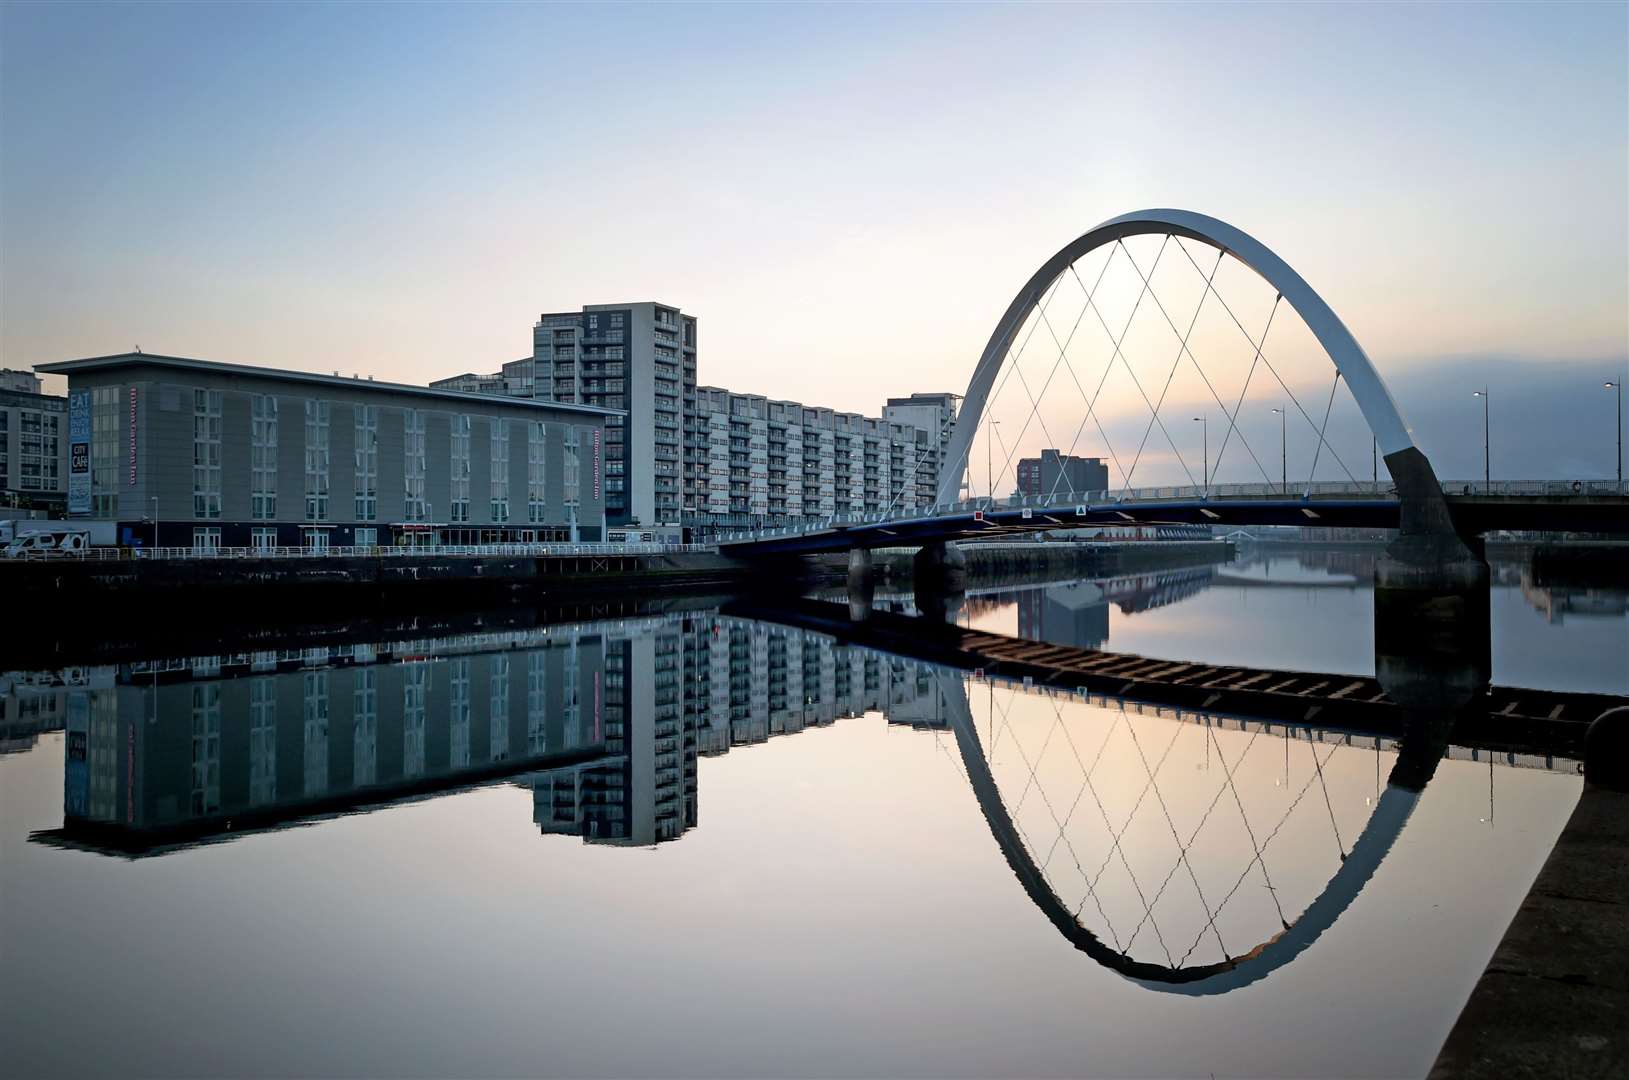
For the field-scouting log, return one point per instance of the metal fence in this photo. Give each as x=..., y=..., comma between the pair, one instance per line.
x=103, y=554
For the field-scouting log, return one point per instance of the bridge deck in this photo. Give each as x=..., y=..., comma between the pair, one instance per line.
x=1503, y=719
x=1477, y=508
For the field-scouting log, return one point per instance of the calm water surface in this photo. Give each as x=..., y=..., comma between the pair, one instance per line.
x=702, y=845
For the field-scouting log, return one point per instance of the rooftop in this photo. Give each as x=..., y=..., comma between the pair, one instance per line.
x=182, y=363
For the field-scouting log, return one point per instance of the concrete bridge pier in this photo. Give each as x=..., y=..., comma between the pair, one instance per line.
x=940, y=565
x=862, y=584
x=1433, y=649
x=939, y=579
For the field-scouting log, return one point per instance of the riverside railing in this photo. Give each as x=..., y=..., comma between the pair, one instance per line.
x=100, y=554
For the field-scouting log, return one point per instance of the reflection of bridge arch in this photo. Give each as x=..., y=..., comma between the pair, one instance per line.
x=1408, y=466
x=1385, y=824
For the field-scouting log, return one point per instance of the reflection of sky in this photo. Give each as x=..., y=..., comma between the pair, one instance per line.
x=841, y=910
x=1332, y=630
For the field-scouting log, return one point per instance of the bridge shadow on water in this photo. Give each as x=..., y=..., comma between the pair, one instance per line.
x=1192, y=827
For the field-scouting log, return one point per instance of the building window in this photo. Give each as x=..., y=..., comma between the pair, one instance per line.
x=500, y=471
x=206, y=453
x=365, y=728
x=206, y=748
x=537, y=704
x=263, y=458
x=263, y=539
x=413, y=451
x=415, y=698
x=37, y=451
x=206, y=538
x=108, y=444
x=316, y=539
x=459, y=713
x=316, y=732
x=316, y=460
x=262, y=740
x=367, y=463
x=498, y=709
x=571, y=471
x=536, y=456
x=367, y=537
x=460, y=469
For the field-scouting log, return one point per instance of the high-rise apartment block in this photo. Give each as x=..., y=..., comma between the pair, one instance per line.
x=709, y=457
x=636, y=357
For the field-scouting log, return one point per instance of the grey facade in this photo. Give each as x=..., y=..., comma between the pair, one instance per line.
x=33, y=445
x=234, y=456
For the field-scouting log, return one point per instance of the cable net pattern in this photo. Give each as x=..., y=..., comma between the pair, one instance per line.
x=1177, y=842
x=1165, y=357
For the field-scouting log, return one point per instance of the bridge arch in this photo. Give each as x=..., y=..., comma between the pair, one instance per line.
x=1391, y=813
x=1410, y=470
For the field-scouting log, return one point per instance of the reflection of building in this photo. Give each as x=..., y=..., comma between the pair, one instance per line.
x=1054, y=473
x=170, y=752
x=603, y=721
x=38, y=701
x=1073, y=614
x=1077, y=613
x=689, y=686
x=1556, y=603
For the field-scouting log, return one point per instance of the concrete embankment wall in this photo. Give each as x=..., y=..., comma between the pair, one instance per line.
x=60, y=581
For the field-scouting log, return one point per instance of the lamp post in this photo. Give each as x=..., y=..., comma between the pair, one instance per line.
x=989, y=467
x=1618, y=386
x=1487, y=466
x=1283, y=453
x=1204, y=428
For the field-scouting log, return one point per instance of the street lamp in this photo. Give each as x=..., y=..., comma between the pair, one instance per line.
x=1618, y=386
x=1204, y=422
x=1487, y=466
x=989, y=467
x=1283, y=453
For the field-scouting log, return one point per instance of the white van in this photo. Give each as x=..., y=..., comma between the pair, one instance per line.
x=48, y=542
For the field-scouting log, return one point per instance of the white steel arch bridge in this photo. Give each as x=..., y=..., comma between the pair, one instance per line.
x=1411, y=498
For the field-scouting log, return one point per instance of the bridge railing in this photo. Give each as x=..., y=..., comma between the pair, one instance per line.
x=1538, y=488
x=1069, y=503
x=390, y=551
x=1066, y=503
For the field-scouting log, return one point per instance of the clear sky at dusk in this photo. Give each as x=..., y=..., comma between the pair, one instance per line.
x=847, y=196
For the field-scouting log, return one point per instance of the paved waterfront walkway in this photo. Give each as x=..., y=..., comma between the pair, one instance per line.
x=1554, y=1000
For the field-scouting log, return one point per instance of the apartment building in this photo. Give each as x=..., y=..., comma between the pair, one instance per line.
x=637, y=360
x=33, y=444
x=765, y=461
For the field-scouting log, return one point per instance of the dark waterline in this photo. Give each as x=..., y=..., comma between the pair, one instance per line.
x=831, y=904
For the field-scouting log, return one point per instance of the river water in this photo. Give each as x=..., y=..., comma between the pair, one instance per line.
x=699, y=844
